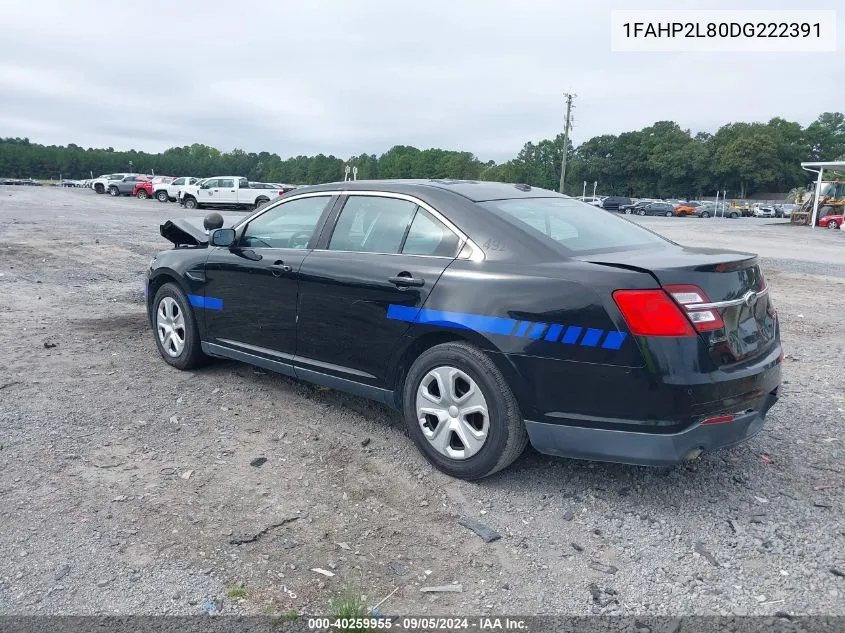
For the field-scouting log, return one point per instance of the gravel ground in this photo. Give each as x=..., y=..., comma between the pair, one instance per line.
x=127, y=487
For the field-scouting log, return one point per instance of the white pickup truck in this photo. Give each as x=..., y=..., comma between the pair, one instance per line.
x=169, y=191
x=226, y=191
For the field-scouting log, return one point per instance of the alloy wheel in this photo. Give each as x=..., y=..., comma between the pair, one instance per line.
x=170, y=326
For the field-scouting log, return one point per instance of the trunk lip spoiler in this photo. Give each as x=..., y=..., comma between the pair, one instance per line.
x=748, y=298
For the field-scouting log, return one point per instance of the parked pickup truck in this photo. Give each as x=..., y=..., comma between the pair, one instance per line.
x=101, y=184
x=226, y=191
x=125, y=186
x=169, y=191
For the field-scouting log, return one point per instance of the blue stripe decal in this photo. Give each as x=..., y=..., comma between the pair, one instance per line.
x=481, y=323
x=572, y=334
x=537, y=331
x=209, y=303
x=592, y=337
x=614, y=340
x=554, y=333
x=522, y=329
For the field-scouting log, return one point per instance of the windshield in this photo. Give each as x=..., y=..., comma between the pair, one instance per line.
x=577, y=227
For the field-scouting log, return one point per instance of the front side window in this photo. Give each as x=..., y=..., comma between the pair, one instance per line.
x=429, y=236
x=179, y=181
x=573, y=225
x=372, y=224
x=211, y=183
x=288, y=225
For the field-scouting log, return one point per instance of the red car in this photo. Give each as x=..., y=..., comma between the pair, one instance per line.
x=832, y=221
x=144, y=189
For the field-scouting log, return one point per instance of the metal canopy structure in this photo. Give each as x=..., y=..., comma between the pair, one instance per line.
x=819, y=167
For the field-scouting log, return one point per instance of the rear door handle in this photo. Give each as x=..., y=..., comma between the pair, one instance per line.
x=406, y=281
x=280, y=267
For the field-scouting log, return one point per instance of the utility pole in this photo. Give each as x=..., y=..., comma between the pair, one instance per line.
x=569, y=97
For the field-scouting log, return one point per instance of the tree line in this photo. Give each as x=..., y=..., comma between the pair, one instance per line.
x=661, y=160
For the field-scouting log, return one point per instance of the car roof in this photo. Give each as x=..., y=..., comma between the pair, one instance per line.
x=473, y=190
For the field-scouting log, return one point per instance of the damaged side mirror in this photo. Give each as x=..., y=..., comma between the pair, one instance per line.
x=223, y=237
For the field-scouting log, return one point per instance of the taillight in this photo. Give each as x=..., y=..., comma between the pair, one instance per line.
x=652, y=313
x=688, y=296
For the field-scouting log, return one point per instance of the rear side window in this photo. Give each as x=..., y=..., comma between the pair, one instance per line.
x=429, y=236
x=372, y=224
x=578, y=227
x=226, y=182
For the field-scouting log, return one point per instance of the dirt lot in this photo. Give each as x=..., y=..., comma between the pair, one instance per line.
x=126, y=486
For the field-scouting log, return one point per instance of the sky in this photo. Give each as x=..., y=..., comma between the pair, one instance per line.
x=342, y=77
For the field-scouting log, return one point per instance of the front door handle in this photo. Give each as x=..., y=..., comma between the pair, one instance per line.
x=405, y=280
x=279, y=267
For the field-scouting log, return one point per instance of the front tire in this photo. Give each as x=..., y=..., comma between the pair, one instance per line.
x=162, y=196
x=641, y=212
x=175, y=328
x=114, y=192
x=190, y=203
x=734, y=215
x=833, y=224
x=669, y=214
x=99, y=188
x=142, y=194
x=461, y=413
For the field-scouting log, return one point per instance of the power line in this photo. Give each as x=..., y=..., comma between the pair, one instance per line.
x=569, y=98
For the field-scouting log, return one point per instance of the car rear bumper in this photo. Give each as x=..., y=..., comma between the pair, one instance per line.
x=643, y=448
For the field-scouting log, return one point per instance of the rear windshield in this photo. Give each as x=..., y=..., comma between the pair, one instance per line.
x=578, y=227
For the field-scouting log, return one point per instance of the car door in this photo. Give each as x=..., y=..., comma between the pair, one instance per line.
x=382, y=257
x=226, y=192
x=251, y=287
x=206, y=194
x=174, y=187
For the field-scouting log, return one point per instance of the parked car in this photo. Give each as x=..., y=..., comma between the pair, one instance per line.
x=686, y=208
x=709, y=209
x=634, y=208
x=169, y=191
x=125, y=186
x=101, y=184
x=613, y=203
x=144, y=188
x=436, y=320
x=657, y=208
x=763, y=210
x=831, y=221
x=784, y=210
x=593, y=200
x=226, y=191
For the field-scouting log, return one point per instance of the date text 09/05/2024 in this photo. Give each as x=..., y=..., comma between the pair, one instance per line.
x=419, y=623
x=722, y=29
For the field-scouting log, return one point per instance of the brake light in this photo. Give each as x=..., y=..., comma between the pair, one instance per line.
x=688, y=296
x=652, y=313
x=719, y=419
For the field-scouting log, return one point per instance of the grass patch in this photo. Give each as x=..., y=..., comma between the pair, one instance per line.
x=349, y=605
x=236, y=591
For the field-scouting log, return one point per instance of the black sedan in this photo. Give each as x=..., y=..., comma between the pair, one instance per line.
x=489, y=314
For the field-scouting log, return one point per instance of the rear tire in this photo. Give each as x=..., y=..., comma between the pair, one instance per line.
x=641, y=212
x=261, y=202
x=669, y=214
x=175, y=329
x=734, y=215
x=833, y=224
x=142, y=194
x=704, y=214
x=473, y=375
x=162, y=196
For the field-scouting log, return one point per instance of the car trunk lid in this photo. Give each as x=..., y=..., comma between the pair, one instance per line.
x=722, y=292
